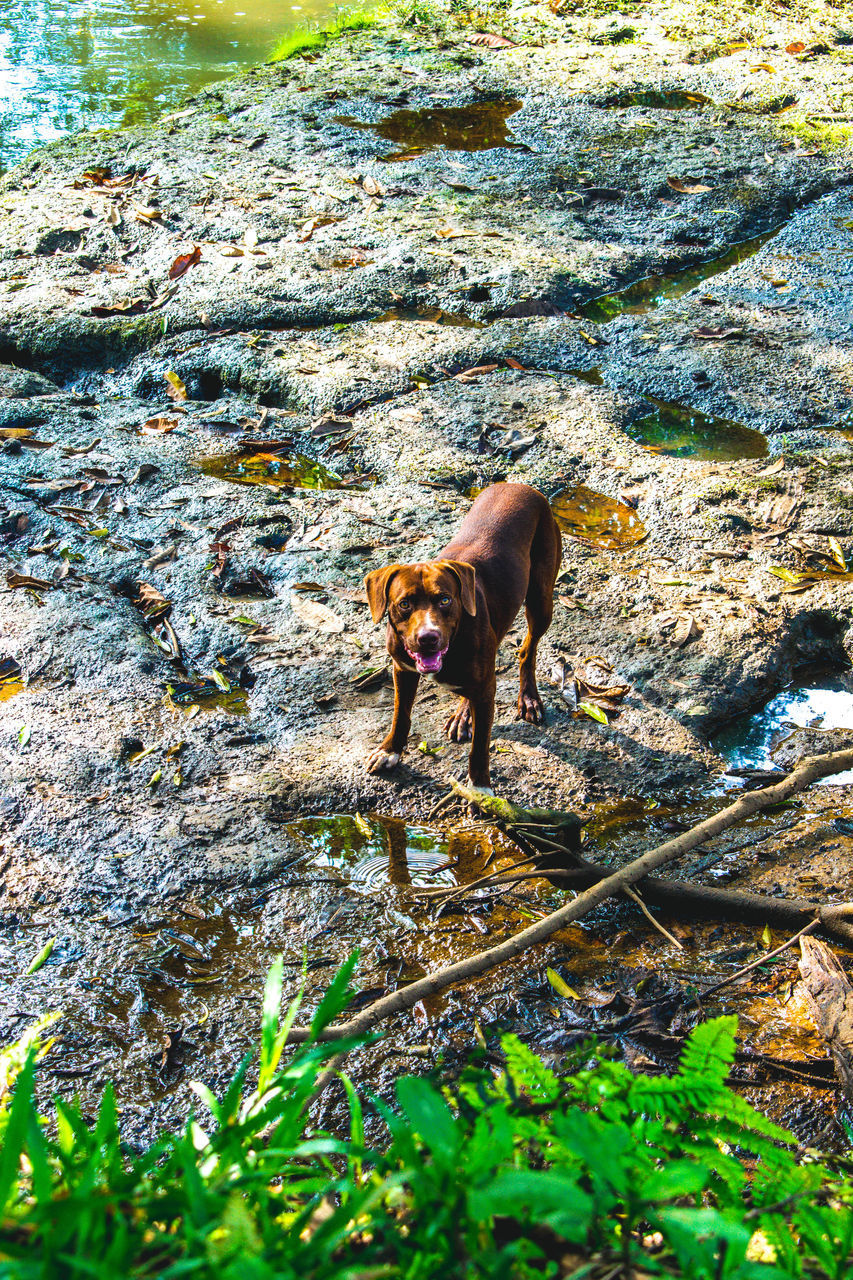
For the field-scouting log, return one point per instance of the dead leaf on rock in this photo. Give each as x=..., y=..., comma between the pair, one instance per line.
x=685, y=628
x=147, y=213
x=158, y=426
x=183, y=263
x=71, y=452
x=371, y=186
x=487, y=40
x=151, y=601
x=315, y=615
x=370, y=678
x=531, y=307
x=796, y=46
x=597, y=680
x=56, y=486
x=329, y=425
x=128, y=306
x=688, y=186
x=478, y=371
x=174, y=387
x=15, y=579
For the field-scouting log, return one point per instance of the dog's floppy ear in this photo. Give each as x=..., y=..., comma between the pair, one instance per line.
x=376, y=585
x=467, y=576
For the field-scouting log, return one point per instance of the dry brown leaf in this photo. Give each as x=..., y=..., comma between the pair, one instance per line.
x=147, y=213
x=478, y=371
x=685, y=628
x=687, y=186
x=796, y=46
x=717, y=334
x=158, y=426
x=15, y=579
x=151, y=601
x=183, y=263
x=316, y=615
x=71, y=452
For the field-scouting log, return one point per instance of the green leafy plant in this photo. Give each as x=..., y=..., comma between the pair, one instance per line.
x=533, y=1172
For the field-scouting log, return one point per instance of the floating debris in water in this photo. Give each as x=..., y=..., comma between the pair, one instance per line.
x=478, y=127
x=682, y=432
x=594, y=518
x=644, y=295
x=291, y=471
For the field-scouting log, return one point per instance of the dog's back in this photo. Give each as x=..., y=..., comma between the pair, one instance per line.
x=509, y=534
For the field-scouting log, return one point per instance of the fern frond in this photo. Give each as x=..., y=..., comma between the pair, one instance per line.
x=528, y=1072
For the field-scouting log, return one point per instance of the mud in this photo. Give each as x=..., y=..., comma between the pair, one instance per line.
x=364, y=340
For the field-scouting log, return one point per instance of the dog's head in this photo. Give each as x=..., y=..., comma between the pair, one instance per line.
x=425, y=604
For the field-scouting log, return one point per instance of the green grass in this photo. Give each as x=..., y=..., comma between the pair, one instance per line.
x=303, y=41
x=519, y=1172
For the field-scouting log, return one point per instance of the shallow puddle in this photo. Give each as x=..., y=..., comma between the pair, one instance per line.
x=681, y=432
x=10, y=678
x=430, y=315
x=370, y=852
x=276, y=470
x=752, y=740
x=594, y=518
x=478, y=127
x=205, y=694
x=646, y=294
x=658, y=99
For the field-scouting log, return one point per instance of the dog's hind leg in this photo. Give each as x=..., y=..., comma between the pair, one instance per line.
x=545, y=556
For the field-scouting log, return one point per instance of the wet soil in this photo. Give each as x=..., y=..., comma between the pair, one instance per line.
x=364, y=339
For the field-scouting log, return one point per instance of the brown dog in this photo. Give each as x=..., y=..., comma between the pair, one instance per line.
x=446, y=617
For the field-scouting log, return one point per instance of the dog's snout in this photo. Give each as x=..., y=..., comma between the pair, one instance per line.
x=429, y=640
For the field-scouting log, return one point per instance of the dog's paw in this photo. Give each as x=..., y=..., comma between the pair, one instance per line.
x=380, y=760
x=457, y=726
x=530, y=708
x=472, y=807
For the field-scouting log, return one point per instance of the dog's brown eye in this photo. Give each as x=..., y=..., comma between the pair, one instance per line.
x=444, y=602
x=405, y=606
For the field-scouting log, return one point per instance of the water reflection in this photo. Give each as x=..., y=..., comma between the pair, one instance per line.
x=823, y=703
x=371, y=852
x=76, y=64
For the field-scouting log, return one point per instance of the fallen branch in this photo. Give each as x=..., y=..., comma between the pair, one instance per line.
x=707, y=901
x=463, y=970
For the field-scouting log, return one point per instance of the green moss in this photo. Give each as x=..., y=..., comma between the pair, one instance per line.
x=302, y=41
x=828, y=135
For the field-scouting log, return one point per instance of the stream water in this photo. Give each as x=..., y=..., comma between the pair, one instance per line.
x=93, y=64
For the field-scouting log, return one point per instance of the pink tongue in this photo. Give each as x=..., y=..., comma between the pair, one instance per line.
x=428, y=663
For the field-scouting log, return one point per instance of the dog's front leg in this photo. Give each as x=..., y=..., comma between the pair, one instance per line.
x=388, y=755
x=482, y=705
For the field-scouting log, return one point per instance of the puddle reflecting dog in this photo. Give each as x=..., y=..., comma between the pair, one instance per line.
x=446, y=618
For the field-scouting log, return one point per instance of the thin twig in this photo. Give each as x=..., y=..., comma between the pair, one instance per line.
x=756, y=964
x=632, y=893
